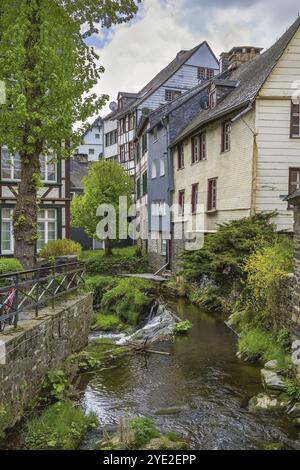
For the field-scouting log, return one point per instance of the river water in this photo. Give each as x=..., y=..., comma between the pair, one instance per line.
x=202, y=377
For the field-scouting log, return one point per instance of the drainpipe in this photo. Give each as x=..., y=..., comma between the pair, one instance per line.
x=164, y=122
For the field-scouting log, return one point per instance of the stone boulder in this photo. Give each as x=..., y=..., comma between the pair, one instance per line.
x=272, y=365
x=273, y=381
x=263, y=403
x=294, y=412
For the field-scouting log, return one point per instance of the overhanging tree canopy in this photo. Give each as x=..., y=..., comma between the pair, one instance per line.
x=49, y=72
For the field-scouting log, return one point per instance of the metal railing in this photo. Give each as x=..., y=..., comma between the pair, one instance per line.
x=30, y=290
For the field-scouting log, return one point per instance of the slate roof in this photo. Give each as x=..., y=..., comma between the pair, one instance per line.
x=251, y=77
x=164, y=75
x=98, y=122
x=78, y=171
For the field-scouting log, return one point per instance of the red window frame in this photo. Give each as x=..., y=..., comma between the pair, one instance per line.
x=181, y=201
x=131, y=150
x=194, y=197
x=295, y=121
x=180, y=156
x=212, y=194
x=123, y=153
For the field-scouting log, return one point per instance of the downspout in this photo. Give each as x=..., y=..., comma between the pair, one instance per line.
x=164, y=122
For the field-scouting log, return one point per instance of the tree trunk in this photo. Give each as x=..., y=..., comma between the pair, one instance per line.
x=26, y=211
x=108, y=247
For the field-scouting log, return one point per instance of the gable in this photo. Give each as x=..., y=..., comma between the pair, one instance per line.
x=203, y=57
x=282, y=82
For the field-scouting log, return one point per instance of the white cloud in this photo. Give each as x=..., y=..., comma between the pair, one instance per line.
x=136, y=51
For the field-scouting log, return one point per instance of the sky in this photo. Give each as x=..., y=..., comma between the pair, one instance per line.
x=133, y=53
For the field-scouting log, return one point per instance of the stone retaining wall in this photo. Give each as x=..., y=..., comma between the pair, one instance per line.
x=39, y=345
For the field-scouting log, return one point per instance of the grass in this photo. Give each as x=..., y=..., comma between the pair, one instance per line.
x=143, y=431
x=60, y=427
x=255, y=344
x=108, y=323
x=96, y=354
x=117, y=253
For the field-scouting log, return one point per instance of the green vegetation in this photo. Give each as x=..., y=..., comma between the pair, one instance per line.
x=225, y=252
x=104, y=185
x=255, y=344
x=128, y=300
x=55, y=385
x=143, y=430
x=182, y=327
x=99, y=285
x=108, y=323
x=10, y=265
x=60, y=427
x=293, y=388
x=56, y=248
x=5, y=419
x=96, y=354
x=123, y=261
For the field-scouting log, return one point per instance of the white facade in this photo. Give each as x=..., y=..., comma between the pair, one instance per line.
x=110, y=129
x=93, y=142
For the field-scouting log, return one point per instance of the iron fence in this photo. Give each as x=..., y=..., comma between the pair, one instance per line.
x=30, y=290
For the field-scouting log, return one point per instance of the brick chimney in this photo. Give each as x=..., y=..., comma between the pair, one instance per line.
x=241, y=55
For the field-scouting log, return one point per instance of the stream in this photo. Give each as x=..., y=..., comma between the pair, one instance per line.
x=200, y=391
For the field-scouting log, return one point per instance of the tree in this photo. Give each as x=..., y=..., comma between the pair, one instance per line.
x=49, y=72
x=105, y=183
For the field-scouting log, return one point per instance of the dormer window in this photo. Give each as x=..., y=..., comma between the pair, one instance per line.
x=120, y=104
x=205, y=73
x=171, y=95
x=213, y=99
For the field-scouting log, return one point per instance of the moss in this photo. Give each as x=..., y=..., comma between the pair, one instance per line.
x=96, y=354
x=5, y=419
x=124, y=260
x=182, y=327
x=99, y=285
x=60, y=427
x=108, y=323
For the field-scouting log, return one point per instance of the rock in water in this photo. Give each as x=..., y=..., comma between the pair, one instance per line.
x=172, y=410
x=263, y=403
x=272, y=381
x=272, y=365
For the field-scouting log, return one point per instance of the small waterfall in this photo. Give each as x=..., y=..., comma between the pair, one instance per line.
x=153, y=311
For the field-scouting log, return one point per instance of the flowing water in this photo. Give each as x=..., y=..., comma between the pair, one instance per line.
x=200, y=391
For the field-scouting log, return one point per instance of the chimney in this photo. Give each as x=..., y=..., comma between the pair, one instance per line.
x=224, y=61
x=243, y=54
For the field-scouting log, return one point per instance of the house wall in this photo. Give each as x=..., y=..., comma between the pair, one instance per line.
x=277, y=151
x=232, y=169
x=112, y=150
x=90, y=142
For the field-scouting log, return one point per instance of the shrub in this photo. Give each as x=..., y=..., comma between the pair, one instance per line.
x=59, y=427
x=123, y=261
x=255, y=344
x=182, y=327
x=5, y=419
x=208, y=297
x=129, y=299
x=9, y=266
x=99, y=285
x=108, y=323
x=225, y=252
x=56, y=248
x=55, y=385
x=143, y=431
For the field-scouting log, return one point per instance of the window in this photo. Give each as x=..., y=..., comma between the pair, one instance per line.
x=97, y=136
x=144, y=143
x=91, y=151
x=7, y=242
x=48, y=168
x=131, y=150
x=212, y=195
x=180, y=156
x=122, y=153
x=199, y=147
x=131, y=122
x=295, y=120
x=138, y=151
x=155, y=134
x=138, y=188
x=171, y=95
x=205, y=74
x=164, y=247
x=294, y=179
x=226, y=137
x=46, y=227
x=181, y=198
x=162, y=167
x=145, y=183
x=153, y=170
x=194, y=198
x=110, y=138
x=10, y=165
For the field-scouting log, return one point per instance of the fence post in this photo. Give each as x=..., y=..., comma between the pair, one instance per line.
x=16, y=301
x=37, y=298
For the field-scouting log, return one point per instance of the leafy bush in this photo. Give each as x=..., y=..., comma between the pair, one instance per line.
x=5, y=419
x=182, y=327
x=129, y=299
x=55, y=385
x=10, y=265
x=225, y=252
x=60, y=427
x=208, y=297
x=99, y=285
x=56, y=248
x=124, y=261
x=108, y=323
x=143, y=431
x=255, y=344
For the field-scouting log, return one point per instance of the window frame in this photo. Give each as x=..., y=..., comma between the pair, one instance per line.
x=46, y=221
x=194, y=197
x=6, y=220
x=211, y=203
x=180, y=157
x=290, y=191
x=292, y=125
x=226, y=137
x=173, y=94
x=181, y=202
